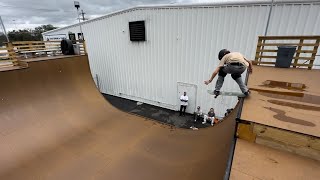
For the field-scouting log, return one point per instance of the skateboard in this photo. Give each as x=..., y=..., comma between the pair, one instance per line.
x=224, y=93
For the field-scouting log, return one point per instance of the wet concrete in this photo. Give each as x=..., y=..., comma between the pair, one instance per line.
x=273, y=92
x=293, y=91
x=284, y=85
x=156, y=113
x=281, y=116
x=306, y=98
x=295, y=105
x=294, y=96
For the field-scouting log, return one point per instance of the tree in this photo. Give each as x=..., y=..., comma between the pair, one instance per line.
x=41, y=29
x=27, y=34
x=2, y=39
x=21, y=35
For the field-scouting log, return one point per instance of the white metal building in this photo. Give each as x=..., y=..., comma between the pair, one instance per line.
x=181, y=47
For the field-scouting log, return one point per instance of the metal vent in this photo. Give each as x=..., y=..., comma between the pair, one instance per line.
x=137, y=31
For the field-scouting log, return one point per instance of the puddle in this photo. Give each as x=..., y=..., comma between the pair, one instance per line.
x=281, y=116
x=295, y=105
x=293, y=96
x=284, y=85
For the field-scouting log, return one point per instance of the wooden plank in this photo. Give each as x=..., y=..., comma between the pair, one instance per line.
x=84, y=45
x=298, y=53
x=313, y=56
x=305, y=65
x=28, y=42
x=286, y=44
x=30, y=46
x=268, y=50
x=31, y=49
x=284, y=136
x=8, y=60
x=273, y=57
x=4, y=57
x=303, y=58
x=265, y=62
x=258, y=53
x=245, y=131
x=56, y=45
x=300, y=150
x=288, y=37
x=306, y=51
x=23, y=64
x=301, y=144
x=10, y=52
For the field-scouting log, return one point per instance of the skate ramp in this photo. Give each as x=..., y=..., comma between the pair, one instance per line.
x=285, y=98
x=56, y=125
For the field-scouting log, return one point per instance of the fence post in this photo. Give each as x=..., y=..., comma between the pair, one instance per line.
x=258, y=50
x=84, y=47
x=11, y=53
x=296, y=58
x=313, y=55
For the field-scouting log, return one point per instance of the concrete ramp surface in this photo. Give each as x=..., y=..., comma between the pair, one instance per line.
x=54, y=124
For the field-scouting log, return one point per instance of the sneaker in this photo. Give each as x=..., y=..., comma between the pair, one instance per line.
x=195, y=120
x=217, y=93
x=247, y=93
x=211, y=124
x=203, y=122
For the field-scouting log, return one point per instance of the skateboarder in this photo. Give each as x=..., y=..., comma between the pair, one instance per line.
x=232, y=63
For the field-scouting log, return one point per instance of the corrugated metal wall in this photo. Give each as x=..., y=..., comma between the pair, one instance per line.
x=182, y=46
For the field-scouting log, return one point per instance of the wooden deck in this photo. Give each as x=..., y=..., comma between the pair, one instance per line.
x=256, y=162
x=284, y=98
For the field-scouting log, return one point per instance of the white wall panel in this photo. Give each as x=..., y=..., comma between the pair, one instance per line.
x=182, y=46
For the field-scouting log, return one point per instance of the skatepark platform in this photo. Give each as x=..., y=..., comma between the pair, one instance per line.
x=55, y=124
x=282, y=113
x=254, y=162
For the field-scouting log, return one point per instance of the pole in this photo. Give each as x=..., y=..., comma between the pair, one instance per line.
x=4, y=29
x=98, y=84
x=15, y=24
x=82, y=13
x=80, y=25
x=270, y=11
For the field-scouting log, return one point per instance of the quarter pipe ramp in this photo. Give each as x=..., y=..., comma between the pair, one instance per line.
x=54, y=124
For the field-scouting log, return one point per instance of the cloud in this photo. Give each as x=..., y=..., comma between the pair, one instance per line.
x=20, y=14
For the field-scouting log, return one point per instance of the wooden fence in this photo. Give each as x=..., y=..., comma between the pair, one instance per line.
x=18, y=50
x=306, y=49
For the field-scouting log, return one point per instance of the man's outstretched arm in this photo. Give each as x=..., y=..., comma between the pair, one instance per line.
x=213, y=75
x=250, y=65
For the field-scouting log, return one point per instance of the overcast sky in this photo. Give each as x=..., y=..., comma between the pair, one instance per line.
x=20, y=14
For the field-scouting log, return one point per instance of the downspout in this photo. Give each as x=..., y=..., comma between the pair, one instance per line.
x=268, y=21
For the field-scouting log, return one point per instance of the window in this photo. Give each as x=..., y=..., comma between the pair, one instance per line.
x=137, y=31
